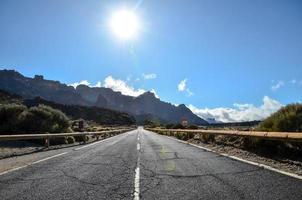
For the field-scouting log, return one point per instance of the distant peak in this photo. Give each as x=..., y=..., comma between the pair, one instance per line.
x=182, y=106
x=39, y=77
x=148, y=94
x=11, y=72
x=82, y=86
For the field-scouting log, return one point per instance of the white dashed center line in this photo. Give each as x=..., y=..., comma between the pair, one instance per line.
x=136, y=178
x=138, y=146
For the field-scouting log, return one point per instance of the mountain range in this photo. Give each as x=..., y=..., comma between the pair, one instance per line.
x=102, y=116
x=142, y=107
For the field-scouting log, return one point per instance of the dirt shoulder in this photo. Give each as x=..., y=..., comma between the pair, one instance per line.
x=19, y=148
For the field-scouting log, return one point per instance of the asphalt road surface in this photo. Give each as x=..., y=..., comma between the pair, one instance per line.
x=144, y=165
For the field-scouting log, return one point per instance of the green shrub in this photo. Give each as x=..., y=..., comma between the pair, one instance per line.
x=178, y=126
x=288, y=118
x=58, y=140
x=70, y=140
x=44, y=119
x=62, y=140
x=82, y=138
x=187, y=135
x=9, y=117
x=179, y=135
x=206, y=137
x=15, y=118
x=169, y=126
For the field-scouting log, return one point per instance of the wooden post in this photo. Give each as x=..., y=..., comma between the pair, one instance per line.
x=47, y=142
x=81, y=125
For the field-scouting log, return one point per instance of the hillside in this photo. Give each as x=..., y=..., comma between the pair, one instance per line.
x=99, y=115
x=6, y=97
x=144, y=105
x=28, y=88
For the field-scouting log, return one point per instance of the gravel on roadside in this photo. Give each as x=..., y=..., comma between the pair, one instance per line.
x=285, y=164
x=19, y=148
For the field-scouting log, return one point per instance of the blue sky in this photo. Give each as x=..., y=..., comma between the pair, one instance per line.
x=227, y=53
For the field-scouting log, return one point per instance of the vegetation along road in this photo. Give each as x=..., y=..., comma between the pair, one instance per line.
x=142, y=165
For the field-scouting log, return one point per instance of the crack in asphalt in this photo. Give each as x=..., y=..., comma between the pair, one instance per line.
x=111, y=180
x=153, y=178
x=208, y=174
x=107, y=172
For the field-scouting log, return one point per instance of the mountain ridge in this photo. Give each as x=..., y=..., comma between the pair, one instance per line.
x=145, y=104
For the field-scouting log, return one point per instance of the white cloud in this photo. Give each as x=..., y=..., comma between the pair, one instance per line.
x=149, y=76
x=182, y=85
x=190, y=93
x=277, y=85
x=240, y=112
x=83, y=82
x=98, y=84
x=116, y=85
x=121, y=86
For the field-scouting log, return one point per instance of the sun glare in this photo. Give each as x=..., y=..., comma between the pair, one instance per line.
x=124, y=24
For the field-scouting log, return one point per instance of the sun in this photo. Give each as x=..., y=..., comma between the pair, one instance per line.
x=124, y=24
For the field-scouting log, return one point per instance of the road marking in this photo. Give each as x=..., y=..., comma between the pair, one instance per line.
x=44, y=159
x=265, y=167
x=38, y=161
x=137, y=171
x=136, y=184
x=11, y=170
x=242, y=160
x=169, y=165
x=138, y=146
x=54, y=156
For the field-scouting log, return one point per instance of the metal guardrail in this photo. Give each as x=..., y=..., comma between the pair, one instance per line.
x=285, y=136
x=48, y=136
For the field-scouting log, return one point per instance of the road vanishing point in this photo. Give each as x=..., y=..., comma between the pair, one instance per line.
x=142, y=165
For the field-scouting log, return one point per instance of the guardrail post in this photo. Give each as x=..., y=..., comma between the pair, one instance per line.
x=85, y=137
x=47, y=142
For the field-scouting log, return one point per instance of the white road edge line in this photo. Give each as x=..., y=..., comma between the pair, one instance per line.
x=242, y=160
x=38, y=161
x=57, y=155
x=54, y=156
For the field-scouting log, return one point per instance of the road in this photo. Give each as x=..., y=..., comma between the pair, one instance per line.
x=143, y=165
